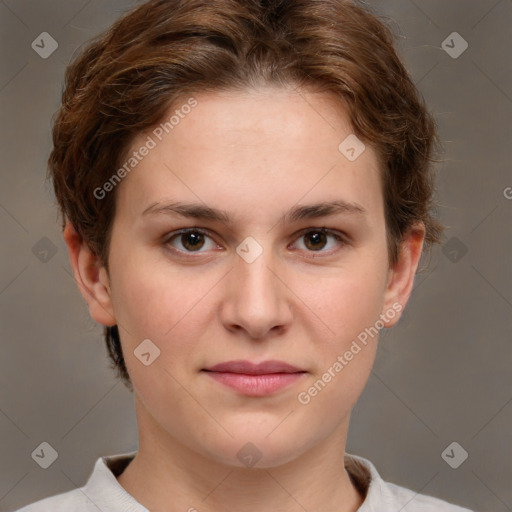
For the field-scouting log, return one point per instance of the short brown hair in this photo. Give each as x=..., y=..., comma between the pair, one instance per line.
x=125, y=81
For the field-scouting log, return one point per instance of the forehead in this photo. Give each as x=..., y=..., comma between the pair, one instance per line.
x=244, y=149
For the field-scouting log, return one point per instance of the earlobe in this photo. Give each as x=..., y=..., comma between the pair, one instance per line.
x=401, y=278
x=90, y=276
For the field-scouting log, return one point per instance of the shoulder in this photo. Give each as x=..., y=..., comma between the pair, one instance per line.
x=381, y=496
x=410, y=501
x=101, y=492
x=72, y=500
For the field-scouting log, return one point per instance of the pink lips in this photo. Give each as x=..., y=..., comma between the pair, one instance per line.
x=255, y=379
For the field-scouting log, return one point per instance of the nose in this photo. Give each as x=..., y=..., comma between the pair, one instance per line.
x=257, y=300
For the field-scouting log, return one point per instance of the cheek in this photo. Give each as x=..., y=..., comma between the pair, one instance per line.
x=346, y=301
x=347, y=306
x=344, y=359
x=153, y=300
x=173, y=311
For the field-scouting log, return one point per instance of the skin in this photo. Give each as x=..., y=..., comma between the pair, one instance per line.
x=254, y=154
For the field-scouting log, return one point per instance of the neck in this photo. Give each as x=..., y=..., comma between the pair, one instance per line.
x=165, y=471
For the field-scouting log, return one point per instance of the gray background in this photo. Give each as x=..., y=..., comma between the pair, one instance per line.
x=442, y=375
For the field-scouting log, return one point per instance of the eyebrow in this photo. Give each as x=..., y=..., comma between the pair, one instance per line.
x=295, y=214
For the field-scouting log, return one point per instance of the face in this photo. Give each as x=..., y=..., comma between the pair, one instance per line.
x=245, y=234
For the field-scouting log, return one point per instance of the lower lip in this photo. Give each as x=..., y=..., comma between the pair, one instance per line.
x=256, y=385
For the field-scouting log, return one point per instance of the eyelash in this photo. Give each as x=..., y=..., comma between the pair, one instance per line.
x=340, y=238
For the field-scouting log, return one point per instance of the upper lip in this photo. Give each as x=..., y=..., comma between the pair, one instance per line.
x=248, y=368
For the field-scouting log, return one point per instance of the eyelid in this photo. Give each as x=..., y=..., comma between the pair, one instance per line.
x=191, y=229
x=334, y=232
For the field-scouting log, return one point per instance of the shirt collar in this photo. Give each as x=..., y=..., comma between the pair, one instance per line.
x=106, y=493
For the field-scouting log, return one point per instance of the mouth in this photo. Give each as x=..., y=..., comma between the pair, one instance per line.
x=248, y=368
x=251, y=379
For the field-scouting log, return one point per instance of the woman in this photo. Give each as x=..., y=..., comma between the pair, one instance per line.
x=246, y=191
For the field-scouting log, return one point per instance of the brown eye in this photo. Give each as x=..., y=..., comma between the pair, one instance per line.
x=315, y=240
x=190, y=240
x=320, y=240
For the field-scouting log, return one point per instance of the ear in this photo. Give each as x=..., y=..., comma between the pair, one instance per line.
x=91, y=277
x=401, y=275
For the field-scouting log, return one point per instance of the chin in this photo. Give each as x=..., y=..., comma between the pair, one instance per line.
x=255, y=449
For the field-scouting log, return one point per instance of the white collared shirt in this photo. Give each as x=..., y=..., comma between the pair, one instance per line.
x=103, y=492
